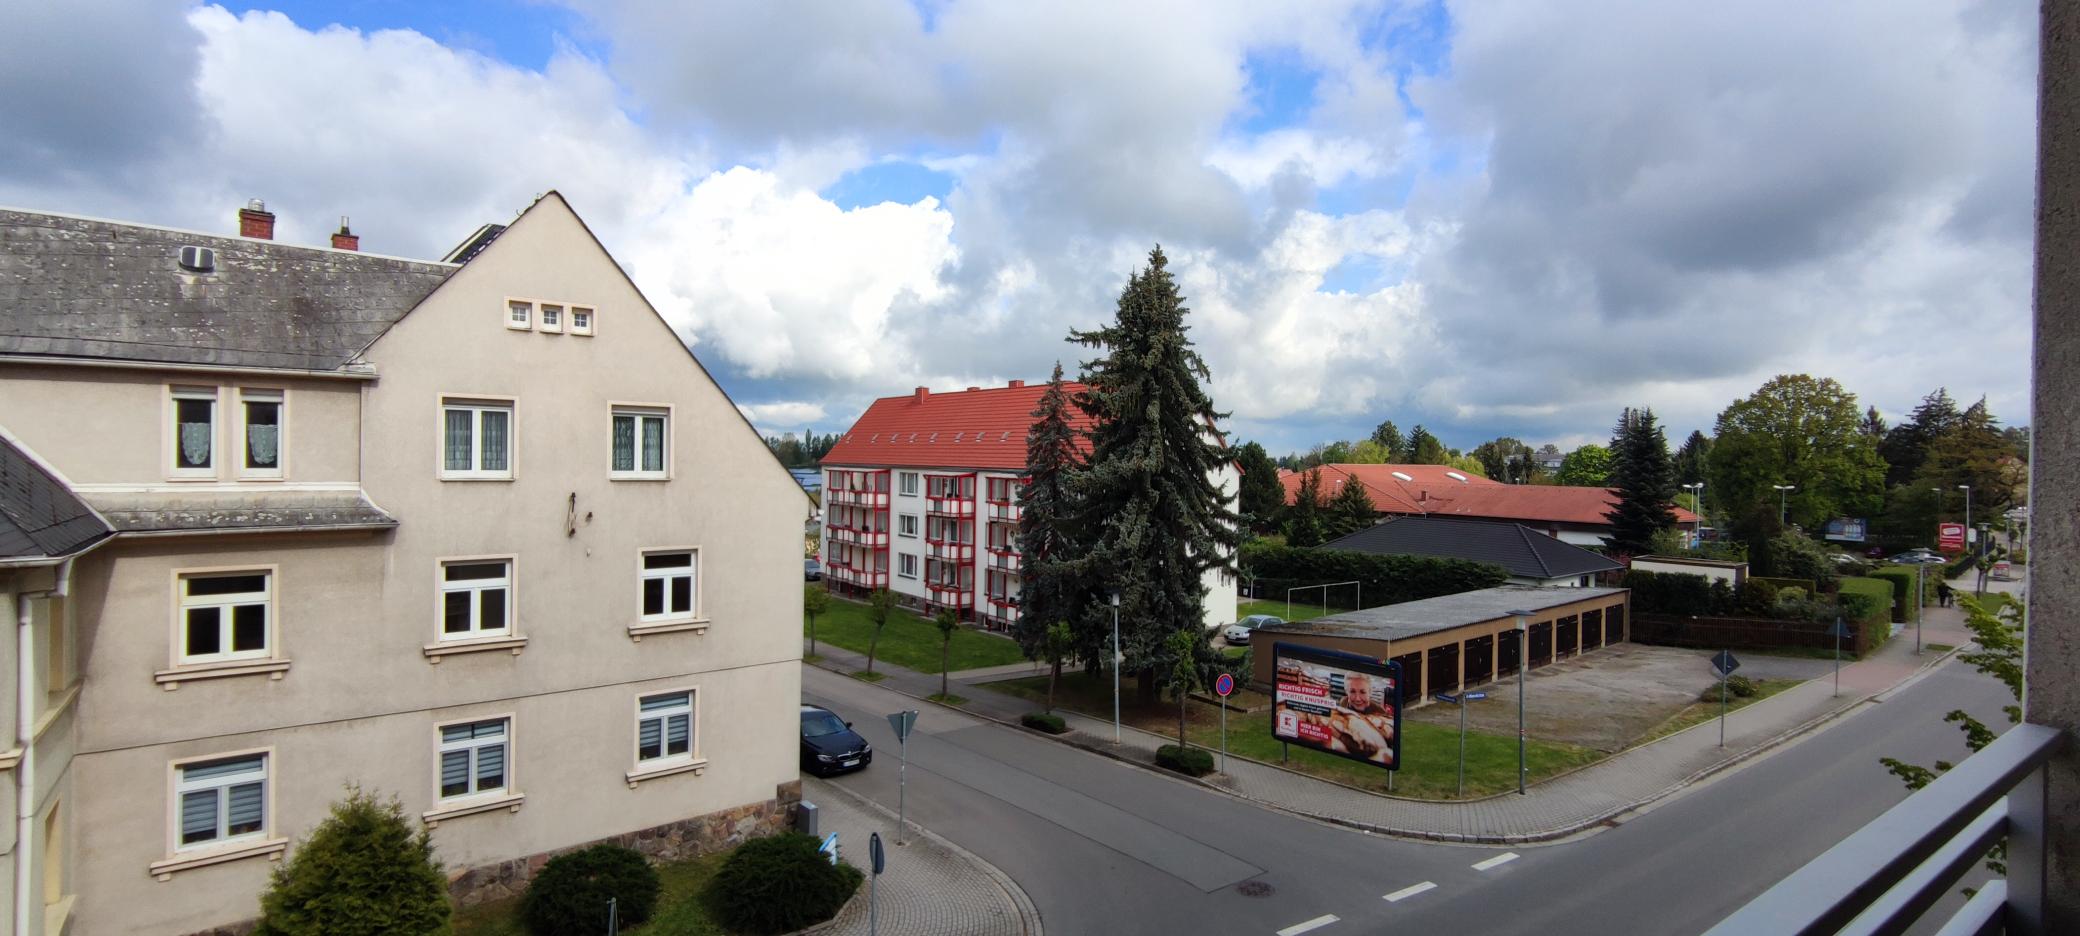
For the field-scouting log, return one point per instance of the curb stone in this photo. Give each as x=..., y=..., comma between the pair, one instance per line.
x=1028, y=914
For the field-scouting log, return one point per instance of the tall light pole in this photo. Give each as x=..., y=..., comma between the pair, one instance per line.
x=1783, y=490
x=1696, y=489
x=1115, y=667
x=1967, y=489
x=1523, y=663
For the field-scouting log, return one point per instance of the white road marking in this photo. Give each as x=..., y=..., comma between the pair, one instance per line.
x=1309, y=926
x=1496, y=862
x=1409, y=891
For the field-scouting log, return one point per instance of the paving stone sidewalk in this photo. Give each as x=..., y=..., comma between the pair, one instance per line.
x=930, y=887
x=1555, y=808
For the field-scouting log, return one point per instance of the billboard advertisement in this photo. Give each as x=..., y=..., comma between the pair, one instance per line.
x=1339, y=703
x=1950, y=537
x=1844, y=529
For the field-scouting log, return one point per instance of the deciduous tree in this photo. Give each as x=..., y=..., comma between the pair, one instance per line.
x=1802, y=431
x=1388, y=436
x=880, y=604
x=815, y=601
x=1586, y=466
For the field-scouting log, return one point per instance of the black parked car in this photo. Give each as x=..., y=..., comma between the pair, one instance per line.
x=829, y=745
x=812, y=571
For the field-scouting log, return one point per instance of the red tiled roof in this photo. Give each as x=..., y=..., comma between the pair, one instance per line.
x=983, y=429
x=1433, y=493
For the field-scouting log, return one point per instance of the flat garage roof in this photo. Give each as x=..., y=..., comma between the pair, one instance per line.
x=1430, y=615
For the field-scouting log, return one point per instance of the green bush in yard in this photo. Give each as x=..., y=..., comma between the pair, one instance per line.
x=362, y=870
x=779, y=884
x=1191, y=762
x=1739, y=687
x=1044, y=721
x=570, y=894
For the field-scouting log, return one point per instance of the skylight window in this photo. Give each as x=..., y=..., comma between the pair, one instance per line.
x=1455, y=476
x=1403, y=476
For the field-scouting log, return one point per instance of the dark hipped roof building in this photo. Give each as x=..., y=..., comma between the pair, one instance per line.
x=1453, y=641
x=1531, y=557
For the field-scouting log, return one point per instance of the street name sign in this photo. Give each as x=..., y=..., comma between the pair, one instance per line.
x=1445, y=697
x=1476, y=696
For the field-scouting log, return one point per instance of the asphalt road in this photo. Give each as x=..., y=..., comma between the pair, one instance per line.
x=1106, y=848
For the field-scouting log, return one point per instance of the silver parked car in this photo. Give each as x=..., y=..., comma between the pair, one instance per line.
x=1238, y=632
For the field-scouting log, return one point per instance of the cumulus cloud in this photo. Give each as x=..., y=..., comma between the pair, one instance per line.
x=785, y=416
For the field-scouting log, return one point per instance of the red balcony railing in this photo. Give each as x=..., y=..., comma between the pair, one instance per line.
x=949, y=550
x=949, y=506
x=1004, y=560
x=1006, y=511
x=858, y=537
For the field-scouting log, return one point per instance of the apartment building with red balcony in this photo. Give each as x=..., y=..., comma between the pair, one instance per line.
x=922, y=497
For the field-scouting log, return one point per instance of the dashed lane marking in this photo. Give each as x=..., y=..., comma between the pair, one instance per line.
x=1309, y=926
x=1495, y=862
x=1409, y=891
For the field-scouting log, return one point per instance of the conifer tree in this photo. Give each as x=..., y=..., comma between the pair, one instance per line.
x=1262, y=498
x=1051, y=578
x=1643, y=477
x=1389, y=437
x=1424, y=448
x=1350, y=509
x=1151, y=493
x=1304, y=526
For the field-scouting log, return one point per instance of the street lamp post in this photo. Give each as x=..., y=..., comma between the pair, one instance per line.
x=1783, y=490
x=1115, y=667
x=1967, y=489
x=1696, y=489
x=1523, y=663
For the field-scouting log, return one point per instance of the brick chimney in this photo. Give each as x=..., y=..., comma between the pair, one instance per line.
x=1017, y=384
x=255, y=221
x=922, y=392
x=344, y=239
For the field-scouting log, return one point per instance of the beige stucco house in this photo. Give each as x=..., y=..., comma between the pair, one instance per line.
x=481, y=534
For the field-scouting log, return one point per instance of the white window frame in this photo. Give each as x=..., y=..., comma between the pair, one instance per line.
x=691, y=572
x=183, y=603
x=526, y=321
x=908, y=525
x=476, y=406
x=691, y=710
x=477, y=632
x=591, y=315
x=542, y=313
x=906, y=560
x=641, y=413
x=280, y=399
x=214, y=396
x=907, y=483
x=180, y=785
x=442, y=747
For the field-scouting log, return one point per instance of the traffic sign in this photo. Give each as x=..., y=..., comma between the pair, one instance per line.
x=1223, y=684
x=902, y=722
x=830, y=847
x=1838, y=630
x=1725, y=663
x=874, y=854
x=1476, y=696
x=1445, y=697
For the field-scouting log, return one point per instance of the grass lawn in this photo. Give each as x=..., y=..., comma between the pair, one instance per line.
x=1700, y=712
x=909, y=641
x=1301, y=612
x=1992, y=601
x=1942, y=648
x=680, y=910
x=1430, y=753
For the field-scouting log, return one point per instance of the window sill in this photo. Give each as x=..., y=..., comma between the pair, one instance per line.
x=171, y=679
x=615, y=476
x=506, y=801
x=272, y=848
x=9, y=758
x=696, y=766
x=55, y=705
x=469, y=478
x=55, y=914
x=435, y=651
x=636, y=632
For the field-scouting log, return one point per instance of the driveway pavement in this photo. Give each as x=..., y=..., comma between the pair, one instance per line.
x=929, y=886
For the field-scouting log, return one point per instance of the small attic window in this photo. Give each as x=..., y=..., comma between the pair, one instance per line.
x=959, y=435
x=198, y=259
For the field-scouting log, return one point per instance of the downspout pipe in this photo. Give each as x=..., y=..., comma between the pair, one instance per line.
x=25, y=730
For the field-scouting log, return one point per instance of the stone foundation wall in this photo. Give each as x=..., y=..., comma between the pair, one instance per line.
x=686, y=838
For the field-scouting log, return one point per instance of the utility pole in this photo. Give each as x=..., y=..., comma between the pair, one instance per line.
x=1523, y=663
x=1115, y=667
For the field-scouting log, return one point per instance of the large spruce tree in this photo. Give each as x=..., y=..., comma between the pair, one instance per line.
x=1305, y=525
x=1263, y=498
x=1052, y=581
x=1350, y=509
x=1905, y=446
x=1643, y=477
x=1150, y=493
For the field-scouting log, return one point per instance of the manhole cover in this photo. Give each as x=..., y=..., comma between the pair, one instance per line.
x=1255, y=889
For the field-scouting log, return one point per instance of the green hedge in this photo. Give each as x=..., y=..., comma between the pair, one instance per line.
x=1044, y=721
x=1866, y=599
x=1191, y=762
x=1384, y=580
x=1901, y=578
x=1809, y=586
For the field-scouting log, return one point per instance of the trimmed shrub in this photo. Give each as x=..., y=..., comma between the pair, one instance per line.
x=1188, y=761
x=1676, y=593
x=1790, y=594
x=1901, y=578
x=362, y=870
x=1755, y=597
x=779, y=884
x=1804, y=585
x=1383, y=579
x=570, y=894
x=1741, y=686
x=1865, y=599
x=1044, y=721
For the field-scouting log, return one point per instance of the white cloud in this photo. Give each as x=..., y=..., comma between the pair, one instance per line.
x=785, y=416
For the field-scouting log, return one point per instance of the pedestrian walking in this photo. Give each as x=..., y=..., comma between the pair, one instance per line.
x=1943, y=594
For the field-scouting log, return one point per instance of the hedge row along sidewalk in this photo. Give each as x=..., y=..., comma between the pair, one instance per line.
x=1562, y=806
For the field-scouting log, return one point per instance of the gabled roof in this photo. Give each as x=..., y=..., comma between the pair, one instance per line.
x=974, y=428
x=1525, y=552
x=40, y=518
x=83, y=288
x=1431, y=490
